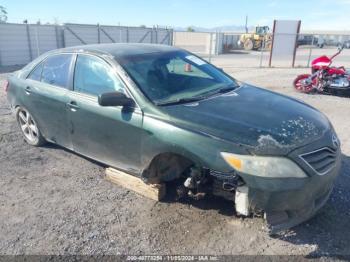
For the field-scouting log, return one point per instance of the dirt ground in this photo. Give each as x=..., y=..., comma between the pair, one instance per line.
x=55, y=202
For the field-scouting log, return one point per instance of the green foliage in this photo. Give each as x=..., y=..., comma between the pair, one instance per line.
x=190, y=29
x=3, y=14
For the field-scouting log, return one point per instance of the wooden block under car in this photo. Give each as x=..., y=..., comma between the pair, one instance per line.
x=155, y=192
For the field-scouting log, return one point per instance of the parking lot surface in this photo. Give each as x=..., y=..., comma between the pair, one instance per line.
x=53, y=201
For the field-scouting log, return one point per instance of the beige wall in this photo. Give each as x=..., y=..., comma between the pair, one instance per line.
x=198, y=42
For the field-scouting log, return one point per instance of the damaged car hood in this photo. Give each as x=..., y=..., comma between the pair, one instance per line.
x=264, y=121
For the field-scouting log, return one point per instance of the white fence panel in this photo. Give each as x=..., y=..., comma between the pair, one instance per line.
x=201, y=43
x=14, y=44
x=198, y=43
x=80, y=34
x=43, y=38
x=113, y=34
x=140, y=35
x=21, y=43
x=164, y=37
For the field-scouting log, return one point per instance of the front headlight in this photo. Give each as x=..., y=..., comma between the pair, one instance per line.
x=271, y=167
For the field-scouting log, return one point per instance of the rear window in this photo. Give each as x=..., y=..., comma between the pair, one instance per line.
x=56, y=70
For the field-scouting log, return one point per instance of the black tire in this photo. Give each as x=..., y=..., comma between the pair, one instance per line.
x=248, y=44
x=29, y=127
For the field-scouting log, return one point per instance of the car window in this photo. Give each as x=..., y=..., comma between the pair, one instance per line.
x=93, y=76
x=56, y=70
x=36, y=73
x=178, y=66
x=175, y=75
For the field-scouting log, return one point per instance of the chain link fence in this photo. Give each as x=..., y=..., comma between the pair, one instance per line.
x=232, y=49
x=21, y=43
x=312, y=46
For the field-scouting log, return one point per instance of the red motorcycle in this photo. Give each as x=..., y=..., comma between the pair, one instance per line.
x=324, y=78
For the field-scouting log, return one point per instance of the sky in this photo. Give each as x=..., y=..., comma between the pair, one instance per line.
x=315, y=14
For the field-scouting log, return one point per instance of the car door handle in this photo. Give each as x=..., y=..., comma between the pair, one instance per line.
x=73, y=106
x=27, y=90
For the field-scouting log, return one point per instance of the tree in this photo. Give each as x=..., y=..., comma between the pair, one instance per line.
x=142, y=26
x=190, y=29
x=3, y=14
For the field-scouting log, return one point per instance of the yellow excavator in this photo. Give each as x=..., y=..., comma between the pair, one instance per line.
x=260, y=39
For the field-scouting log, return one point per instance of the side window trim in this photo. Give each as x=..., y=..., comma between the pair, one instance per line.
x=69, y=85
x=34, y=68
x=125, y=84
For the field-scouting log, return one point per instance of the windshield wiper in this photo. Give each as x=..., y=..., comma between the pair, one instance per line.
x=200, y=97
x=180, y=101
x=222, y=90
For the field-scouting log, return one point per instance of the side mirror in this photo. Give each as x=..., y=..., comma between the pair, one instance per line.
x=114, y=99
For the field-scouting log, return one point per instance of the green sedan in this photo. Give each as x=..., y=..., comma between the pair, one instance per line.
x=164, y=114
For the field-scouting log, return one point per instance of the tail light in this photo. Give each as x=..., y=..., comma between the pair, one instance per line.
x=6, y=86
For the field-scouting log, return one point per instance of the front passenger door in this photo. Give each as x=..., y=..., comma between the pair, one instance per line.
x=110, y=135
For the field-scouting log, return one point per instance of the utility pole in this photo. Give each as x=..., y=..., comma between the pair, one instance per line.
x=246, y=24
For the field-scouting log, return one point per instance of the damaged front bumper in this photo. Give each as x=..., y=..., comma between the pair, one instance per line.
x=281, y=220
x=289, y=202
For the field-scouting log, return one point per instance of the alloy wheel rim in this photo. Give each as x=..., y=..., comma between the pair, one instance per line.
x=28, y=126
x=302, y=86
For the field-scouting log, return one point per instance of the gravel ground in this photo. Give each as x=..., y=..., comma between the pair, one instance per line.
x=53, y=201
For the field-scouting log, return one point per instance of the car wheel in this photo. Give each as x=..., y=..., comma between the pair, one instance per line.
x=248, y=45
x=29, y=127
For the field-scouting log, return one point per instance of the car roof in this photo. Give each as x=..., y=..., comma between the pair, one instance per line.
x=119, y=50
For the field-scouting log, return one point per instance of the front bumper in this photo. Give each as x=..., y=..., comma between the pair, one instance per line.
x=281, y=220
x=290, y=201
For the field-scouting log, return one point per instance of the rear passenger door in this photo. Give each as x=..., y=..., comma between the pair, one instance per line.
x=46, y=95
x=110, y=135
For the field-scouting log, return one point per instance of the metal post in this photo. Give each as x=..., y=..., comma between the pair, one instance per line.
x=217, y=42
x=171, y=41
x=310, y=51
x=56, y=34
x=262, y=53
x=210, y=46
x=37, y=40
x=63, y=36
x=157, y=34
x=29, y=43
x=98, y=34
x=296, y=43
x=127, y=34
x=273, y=40
x=120, y=33
x=152, y=30
x=174, y=38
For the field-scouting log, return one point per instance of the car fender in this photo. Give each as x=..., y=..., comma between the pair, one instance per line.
x=201, y=148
